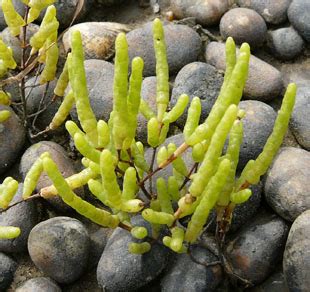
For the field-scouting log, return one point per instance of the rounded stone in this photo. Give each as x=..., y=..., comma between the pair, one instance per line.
x=285, y=43
x=7, y=270
x=99, y=76
x=274, y=12
x=12, y=137
x=274, y=283
x=257, y=127
x=296, y=259
x=197, y=79
x=24, y=216
x=98, y=38
x=59, y=247
x=287, y=183
x=60, y=157
x=256, y=248
x=19, y=7
x=39, y=284
x=206, y=12
x=244, y=26
x=264, y=81
x=299, y=17
x=140, y=43
x=300, y=122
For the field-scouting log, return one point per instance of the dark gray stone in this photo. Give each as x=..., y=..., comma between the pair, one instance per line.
x=256, y=248
x=288, y=183
x=63, y=162
x=274, y=12
x=300, y=122
x=299, y=17
x=12, y=137
x=244, y=26
x=119, y=270
x=59, y=247
x=140, y=43
x=19, y=7
x=285, y=43
x=7, y=270
x=197, y=79
x=275, y=283
x=40, y=284
x=264, y=81
x=186, y=275
x=24, y=216
x=110, y=2
x=206, y=12
x=296, y=259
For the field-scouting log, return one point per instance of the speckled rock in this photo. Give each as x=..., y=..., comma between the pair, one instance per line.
x=256, y=248
x=300, y=123
x=275, y=283
x=39, y=284
x=140, y=43
x=24, y=216
x=197, y=79
x=15, y=43
x=12, y=137
x=264, y=81
x=274, y=12
x=288, y=183
x=60, y=247
x=244, y=26
x=99, y=75
x=7, y=270
x=206, y=12
x=285, y=43
x=60, y=157
x=299, y=17
x=257, y=126
x=186, y=275
x=119, y=270
x=98, y=38
x=296, y=259
x=19, y=7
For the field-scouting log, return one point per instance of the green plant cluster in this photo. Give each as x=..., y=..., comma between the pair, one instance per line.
x=112, y=155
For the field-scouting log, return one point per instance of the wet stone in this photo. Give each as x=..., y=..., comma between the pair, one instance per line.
x=206, y=12
x=274, y=12
x=7, y=270
x=285, y=43
x=256, y=248
x=264, y=81
x=140, y=43
x=59, y=247
x=296, y=260
x=12, y=137
x=39, y=284
x=244, y=26
x=287, y=183
x=24, y=216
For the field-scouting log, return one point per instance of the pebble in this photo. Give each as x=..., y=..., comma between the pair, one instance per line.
x=296, y=259
x=244, y=26
x=140, y=43
x=287, y=183
x=300, y=123
x=256, y=248
x=299, y=17
x=63, y=162
x=285, y=43
x=207, y=13
x=40, y=284
x=19, y=7
x=99, y=76
x=197, y=79
x=24, y=216
x=59, y=247
x=187, y=275
x=275, y=283
x=98, y=38
x=264, y=81
x=119, y=270
x=274, y=12
x=7, y=270
x=12, y=137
